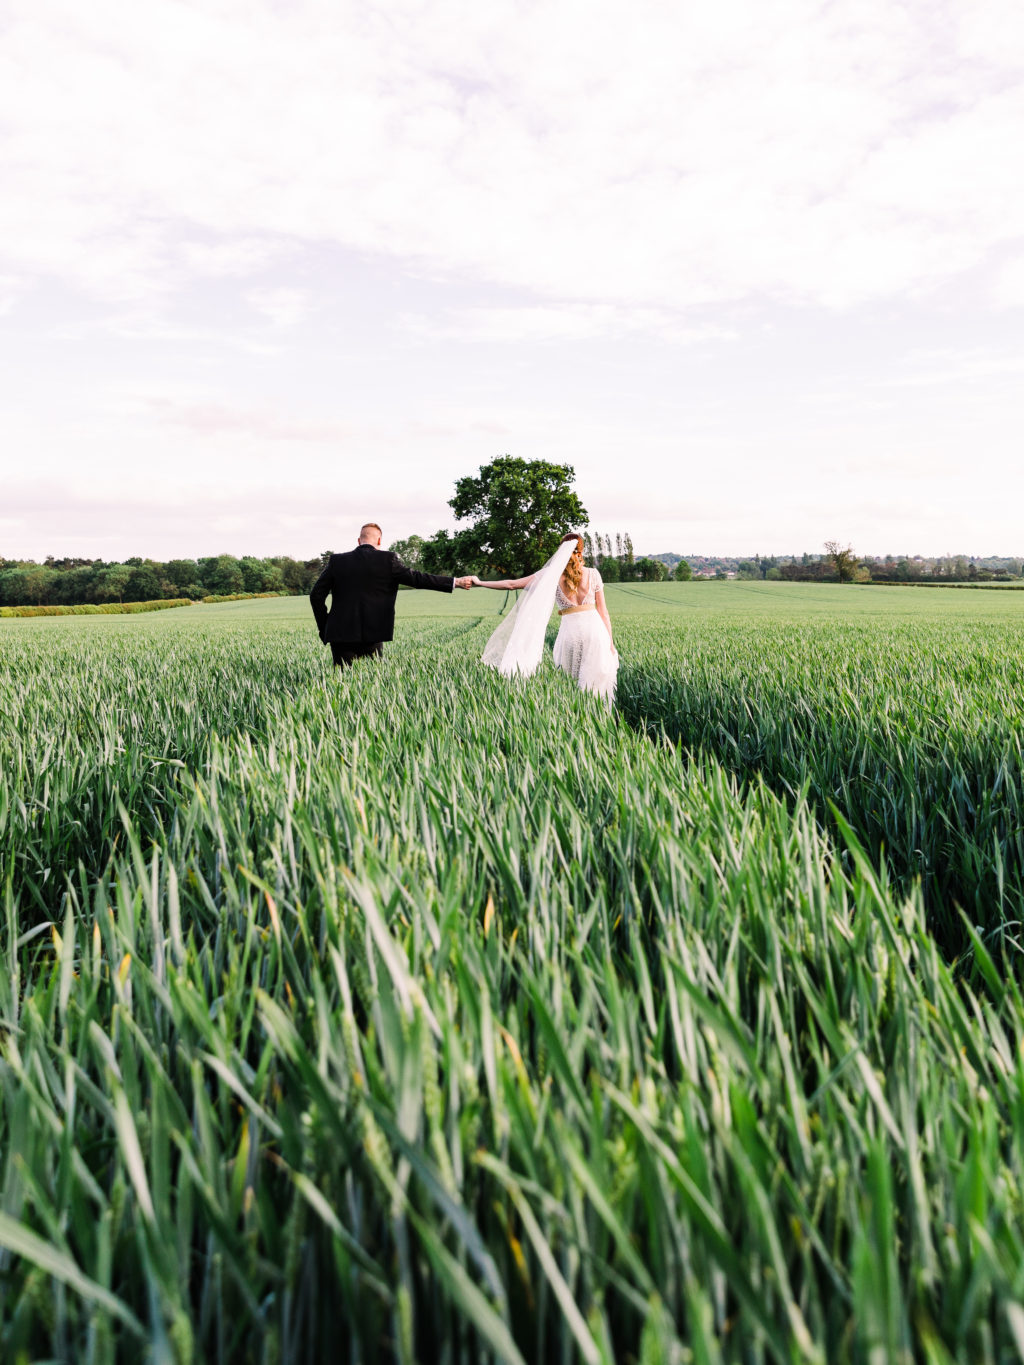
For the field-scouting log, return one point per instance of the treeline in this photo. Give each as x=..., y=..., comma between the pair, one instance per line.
x=73, y=582
x=617, y=563
x=848, y=567
x=945, y=569
x=613, y=557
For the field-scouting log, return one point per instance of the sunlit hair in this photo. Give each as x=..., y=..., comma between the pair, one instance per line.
x=369, y=526
x=573, y=571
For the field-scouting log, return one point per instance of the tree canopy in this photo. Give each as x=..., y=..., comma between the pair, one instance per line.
x=517, y=510
x=844, y=561
x=409, y=551
x=74, y=582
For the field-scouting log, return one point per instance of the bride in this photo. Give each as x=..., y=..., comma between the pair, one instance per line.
x=584, y=647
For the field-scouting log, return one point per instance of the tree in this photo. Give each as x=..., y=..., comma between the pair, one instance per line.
x=252, y=573
x=222, y=574
x=518, y=512
x=183, y=576
x=77, y=585
x=273, y=579
x=111, y=583
x=844, y=561
x=445, y=554
x=293, y=574
x=409, y=551
x=12, y=582
x=682, y=573
x=312, y=569
x=143, y=584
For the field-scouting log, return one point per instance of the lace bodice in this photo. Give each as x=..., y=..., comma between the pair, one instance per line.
x=594, y=586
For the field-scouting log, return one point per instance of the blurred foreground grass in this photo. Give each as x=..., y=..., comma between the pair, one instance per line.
x=410, y=1015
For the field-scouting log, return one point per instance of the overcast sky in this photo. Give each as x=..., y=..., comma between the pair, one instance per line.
x=755, y=268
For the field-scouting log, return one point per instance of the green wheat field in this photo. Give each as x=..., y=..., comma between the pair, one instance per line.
x=412, y=1015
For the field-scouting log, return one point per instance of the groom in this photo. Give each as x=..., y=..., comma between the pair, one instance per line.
x=362, y=586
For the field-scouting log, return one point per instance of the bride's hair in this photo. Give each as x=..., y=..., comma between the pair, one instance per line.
x=573, y=571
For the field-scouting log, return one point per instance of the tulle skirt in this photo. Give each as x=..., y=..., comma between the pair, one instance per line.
x=584, y=651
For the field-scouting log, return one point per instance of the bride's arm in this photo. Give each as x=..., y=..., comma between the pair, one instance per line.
x=602, y=611
x=505, y=584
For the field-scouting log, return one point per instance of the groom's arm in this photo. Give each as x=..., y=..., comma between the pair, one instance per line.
x=415, y=578
x=318, y=599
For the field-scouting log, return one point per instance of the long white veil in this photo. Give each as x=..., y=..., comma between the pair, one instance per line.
x=518, y=643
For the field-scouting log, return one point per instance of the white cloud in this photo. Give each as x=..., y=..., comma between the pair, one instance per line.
x=235, y=257
x=568, y=322
x=161, y=521
x=1008, y=285
x=284, y=307
x=636, y=153
x=369, y=247
x=218, y=419
x=957, y=369
x=150, y=326
x=206, y=415
x=11, y=289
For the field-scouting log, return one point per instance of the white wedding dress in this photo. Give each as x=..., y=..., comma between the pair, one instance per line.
x=583, y=648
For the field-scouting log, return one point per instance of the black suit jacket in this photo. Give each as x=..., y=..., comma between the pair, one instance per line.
x=362, y=586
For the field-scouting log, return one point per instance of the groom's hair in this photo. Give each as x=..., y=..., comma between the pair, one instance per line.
x=366, y=534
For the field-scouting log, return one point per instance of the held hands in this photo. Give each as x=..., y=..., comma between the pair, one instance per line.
x=466, y=582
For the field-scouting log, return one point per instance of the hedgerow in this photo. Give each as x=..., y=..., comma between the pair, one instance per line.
x=239, y=596
x=104, y=608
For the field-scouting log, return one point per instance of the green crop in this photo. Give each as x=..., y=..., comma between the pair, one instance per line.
x=407, y=1014
x=910, y=726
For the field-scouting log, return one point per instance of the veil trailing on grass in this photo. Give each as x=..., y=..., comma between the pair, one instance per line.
x=517, y=644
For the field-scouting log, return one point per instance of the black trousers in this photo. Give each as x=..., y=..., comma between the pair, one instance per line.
x=347, y=651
